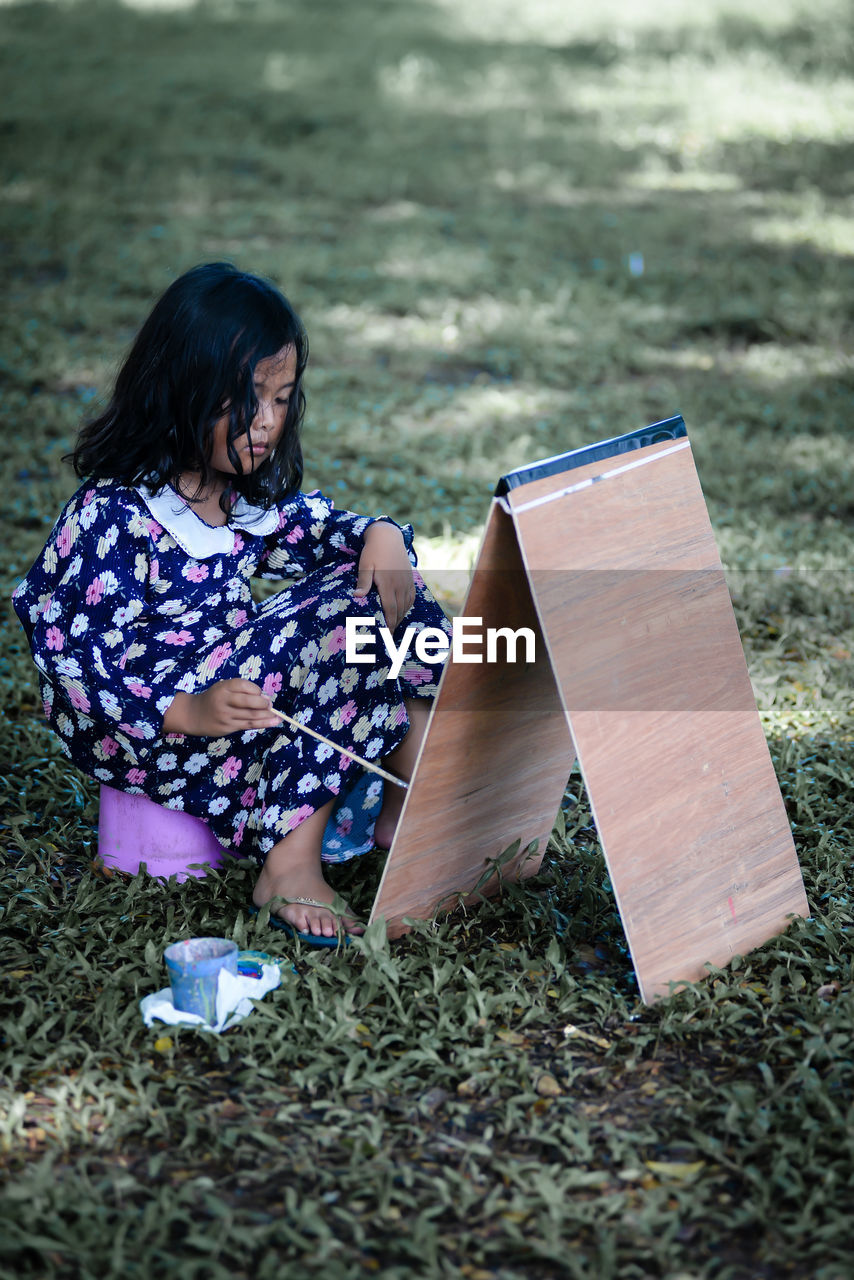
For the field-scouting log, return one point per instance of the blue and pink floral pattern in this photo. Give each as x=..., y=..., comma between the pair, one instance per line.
x=134, y=597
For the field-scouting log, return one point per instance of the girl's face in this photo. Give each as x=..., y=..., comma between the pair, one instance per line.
x=275, y=378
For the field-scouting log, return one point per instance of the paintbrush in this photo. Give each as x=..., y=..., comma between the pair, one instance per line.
x=366, y=764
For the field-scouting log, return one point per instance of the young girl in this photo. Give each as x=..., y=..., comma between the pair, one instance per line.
x=158, y=670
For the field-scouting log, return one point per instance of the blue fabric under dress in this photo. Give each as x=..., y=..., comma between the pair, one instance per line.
x=134, y=598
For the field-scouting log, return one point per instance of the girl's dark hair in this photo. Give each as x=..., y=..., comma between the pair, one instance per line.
x=193, y=361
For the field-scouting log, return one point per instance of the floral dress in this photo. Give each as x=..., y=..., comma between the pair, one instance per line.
x=135, y=597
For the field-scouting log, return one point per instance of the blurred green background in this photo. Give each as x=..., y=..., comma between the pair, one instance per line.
x=510, y=229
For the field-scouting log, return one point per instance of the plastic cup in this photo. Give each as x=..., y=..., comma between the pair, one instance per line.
x=194, y=967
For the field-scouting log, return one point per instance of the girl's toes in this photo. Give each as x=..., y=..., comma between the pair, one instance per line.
x=313, y=918
x=315, y=924
x=320, y=925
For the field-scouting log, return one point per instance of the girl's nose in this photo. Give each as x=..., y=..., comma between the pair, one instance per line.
x=265, y=417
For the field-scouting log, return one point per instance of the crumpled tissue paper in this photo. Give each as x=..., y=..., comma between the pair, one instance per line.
x=234, y=996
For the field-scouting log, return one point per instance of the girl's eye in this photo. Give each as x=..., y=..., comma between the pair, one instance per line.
x=283, y=400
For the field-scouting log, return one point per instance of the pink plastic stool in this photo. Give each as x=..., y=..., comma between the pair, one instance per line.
x=133, y=829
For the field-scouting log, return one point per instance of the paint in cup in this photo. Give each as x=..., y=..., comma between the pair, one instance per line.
x=194, y=967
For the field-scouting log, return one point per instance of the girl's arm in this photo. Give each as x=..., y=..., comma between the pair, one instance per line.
x=385, y=564
x=313, y=532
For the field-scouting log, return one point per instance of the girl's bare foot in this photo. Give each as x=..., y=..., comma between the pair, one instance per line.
x=309, y=906
x=292, y=870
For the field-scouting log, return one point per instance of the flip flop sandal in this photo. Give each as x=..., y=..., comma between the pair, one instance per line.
x=310, y=939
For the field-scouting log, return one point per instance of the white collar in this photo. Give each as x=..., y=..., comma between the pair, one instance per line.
x=193, y=535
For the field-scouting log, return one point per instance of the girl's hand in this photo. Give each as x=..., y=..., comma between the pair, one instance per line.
x=385, y=565
x=229, y=706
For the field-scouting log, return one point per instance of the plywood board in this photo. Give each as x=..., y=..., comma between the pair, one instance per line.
x=637, y=618
x=495, y=759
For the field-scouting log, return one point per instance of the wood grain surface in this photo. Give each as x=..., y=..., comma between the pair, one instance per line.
x=639, y=667
x=494, y=763
x=634, y=605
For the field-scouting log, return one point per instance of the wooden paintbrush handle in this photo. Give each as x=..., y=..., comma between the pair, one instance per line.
x=366, y=764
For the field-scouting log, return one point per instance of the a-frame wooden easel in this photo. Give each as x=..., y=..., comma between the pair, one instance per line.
x=607, y=553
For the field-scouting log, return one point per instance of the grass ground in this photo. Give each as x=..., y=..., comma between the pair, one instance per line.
x=510, y=230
